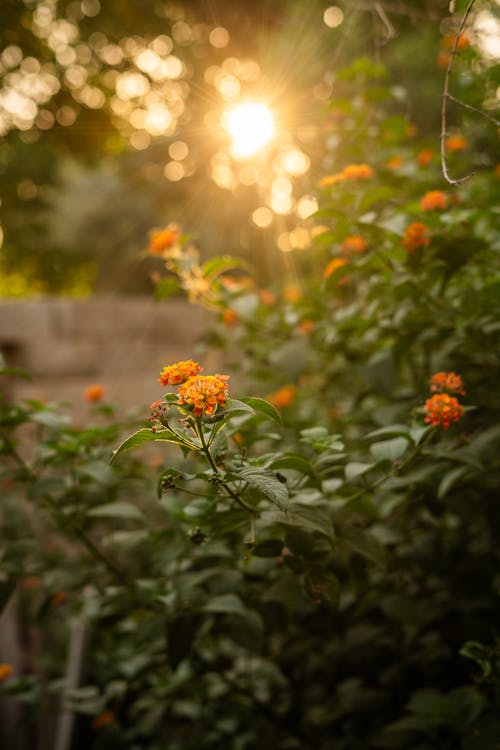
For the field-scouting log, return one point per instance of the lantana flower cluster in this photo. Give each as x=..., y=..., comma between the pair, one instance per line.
x=442, y=409
x=200, y=393
x=415, y=237
x=355, y=172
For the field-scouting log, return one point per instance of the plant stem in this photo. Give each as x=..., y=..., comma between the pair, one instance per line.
x=206, y=450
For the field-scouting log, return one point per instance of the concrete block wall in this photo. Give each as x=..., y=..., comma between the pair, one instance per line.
x=121, y=343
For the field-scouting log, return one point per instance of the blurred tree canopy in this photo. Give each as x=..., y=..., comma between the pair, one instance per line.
x=110, y=116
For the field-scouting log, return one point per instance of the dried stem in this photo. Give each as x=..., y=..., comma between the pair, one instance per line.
x=446, y=96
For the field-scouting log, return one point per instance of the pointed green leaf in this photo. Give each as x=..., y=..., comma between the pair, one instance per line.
x=307, y=518
x=267, y=482
x=390, y=449
x=355, y=469
x=146, y=435
x=296, y=462
x=229, y=604
x=363, y=543
x=215, y=266
x=264, y=407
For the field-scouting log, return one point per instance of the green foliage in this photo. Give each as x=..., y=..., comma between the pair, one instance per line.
x=312, y=565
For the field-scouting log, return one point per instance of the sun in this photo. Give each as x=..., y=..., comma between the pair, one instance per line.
x=251, y=127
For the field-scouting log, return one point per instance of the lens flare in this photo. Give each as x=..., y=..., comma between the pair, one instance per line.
x=251, y=127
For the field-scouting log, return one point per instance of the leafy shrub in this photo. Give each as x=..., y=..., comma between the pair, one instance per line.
x=319, y=564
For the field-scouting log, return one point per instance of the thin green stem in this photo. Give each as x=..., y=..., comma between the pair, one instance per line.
x=206, y=451
x=395, y=471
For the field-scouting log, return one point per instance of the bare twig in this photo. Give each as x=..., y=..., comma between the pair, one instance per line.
x=474, y=109
x=446, y=96
x=390, y=30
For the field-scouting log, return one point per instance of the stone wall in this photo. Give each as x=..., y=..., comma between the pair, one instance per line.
x=121, y=343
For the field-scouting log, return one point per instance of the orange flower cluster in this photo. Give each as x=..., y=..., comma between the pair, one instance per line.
x=94, y=393
x=442, y=409
x=354, y=244
x=333, y=265
x=351, y=172
x=415, y=236
x=229, y=317
x=395, y=163
x=162, y=240
x=449, y=41
x=5, y=672
x=292, y=293
x=425, y=156
x=447, y=381
x=282, y=397
x=456, y=143
x=204, y=393
x=179, y=373
x=434, y=200
x=107, y=717
x=267, y=297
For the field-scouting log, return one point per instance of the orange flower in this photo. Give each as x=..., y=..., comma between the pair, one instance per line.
x=351, y=172
x=292, y=293
x=267, y=297
x=449, y=41
x=415, y=236
x=107, y=717
x=229, y=317
x=305, y=326
x=283, y=397
x=434, y=200
x=333, y=265
x=456, y=143
x=59, y=598
x=443, y=60
x=179, y=372
x=5, y=672
x=330, y=180
x=395, y=162
x=442, y=410
x=447, y=381
x=161, y=240
x=95, y=393
x=204, y=393
x=425, y=156
x=497, y=170
x=354, y=244
x=357, y=172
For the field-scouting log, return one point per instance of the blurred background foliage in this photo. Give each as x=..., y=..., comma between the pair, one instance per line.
x=110, y=121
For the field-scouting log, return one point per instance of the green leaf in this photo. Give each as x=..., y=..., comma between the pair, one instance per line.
x=265, y=481
x=167, y=287
x=227, y=604
x=296, y=462
x=363, y=543
x=307, y=518
x=215, y=266
x=264, y=407
x=393, y=430
x=390, y=449
x=451, y=478
x=146, y=435
x=320, y=440
x=117, y=510
x=355, y=469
